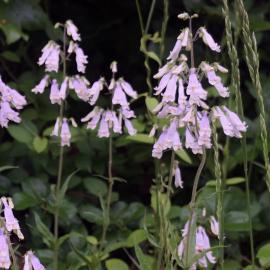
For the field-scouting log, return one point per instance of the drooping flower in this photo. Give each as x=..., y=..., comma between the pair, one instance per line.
x=11, y=222
x=56, y=128
x=177, y=176
x=95, y=90
x=204, y=138
x=72, y=30
x=119, y=96
x=4, y=251
x=31, y=262
x=208, y=40
x=128, y=88
x=81, y=59
x=103, y=130
x=65, y=133
x=63, y=89
x=214, y=226
x=55, y=93
x=80, y=85
x=39, y=88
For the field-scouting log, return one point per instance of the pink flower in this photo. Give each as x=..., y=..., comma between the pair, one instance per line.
x=42, y=85
x=204, y=131
x=94, y=91
x=192, y=142
x=65, y=133
x=55, y=93
x=32, y=262
x=119, y=97
x=4, y=251
x=208, y=40
x=72, y=30
x=81, y=59
x=128, y=88
x=214, y=226
x=175, y=51
x=103, y=130
x=80, y=85
x=95, y=116
x=170, y=92
x=177, y=176
x=55, y=131
x=63, y=89
x=11, y=222
x=163, y=83
x=181, y=94
x=131, y=130
x=8, y=114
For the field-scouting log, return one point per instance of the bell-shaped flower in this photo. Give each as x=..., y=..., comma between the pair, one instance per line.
x=208, y=40
x=177, y=176
x=81, y=59
x=11, y=223
x=103, y=130
x=214, y=226
x=63, y=89
x=65, y=134
x=192, y=143
x=204, y=131
x=72, y=30
x=128, y=88
x=163, y=70
x=80, y=85
x=5, y=262
x=128, y=124
x=8, y=114
x=55, y=93
x=170, y=92
x=119, y=96
x=39, y=88
x=94, y=91
x=55, y=131
x=31, y=262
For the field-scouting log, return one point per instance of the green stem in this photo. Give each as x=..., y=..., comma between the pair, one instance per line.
x=170, y=175
x=140, y=16
x=12, y=253
x=150, y=15
x=193, y=202
x=164, y=27
x=60, y=170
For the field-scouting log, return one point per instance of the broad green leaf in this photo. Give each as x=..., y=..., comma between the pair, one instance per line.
x=95, y=186
x=91, y=214
x=23, y=200
x=20, y=134
x=7, y=167
x=116, y=264
x=12, y=33
x=182, y=154
x=136, y=237
x=40, y=144
x=151, y=103
x=263, y=255
x=92, y=240
x=141, y=138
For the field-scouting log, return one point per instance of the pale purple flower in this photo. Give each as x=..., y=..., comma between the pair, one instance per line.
x=192, y=142
x=103, y=130
x=65, y=134
x=214, y=225
x=55, y=93
x=63, y=89
x=11, y=223
x=177, y=176
x=72, y=30
x=4, y=251
x=235, y=120
x=127, y=112
x=31, y=262
x=128, y=124
x=204, y=131
x=39, y=88
x=181, y=94
x=81, y=59
x=113, y=67
x=180, y=68
x=163, y=70
x=119, y=96
x=117, y=123
x=55, y=131
x=170, y=92
x=208, y=40
x=94, y=91
x=50, y=56
x=153, y=131
x=128, y=88
x=80, y=85
x=71, y=47
x=176, y=50
x=8, y=114
x=163, y=83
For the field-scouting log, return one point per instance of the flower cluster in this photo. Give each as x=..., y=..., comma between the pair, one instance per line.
x=10, y=101
x=111, y=118
x=9, y=224
x=202, y=244
x=59, y=91
x=184, y=99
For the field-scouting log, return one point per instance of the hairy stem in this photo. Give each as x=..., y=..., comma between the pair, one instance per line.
x=60, y=170
x=12, y=253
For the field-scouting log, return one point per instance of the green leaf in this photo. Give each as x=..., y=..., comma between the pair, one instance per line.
x=145, y=261
x=47, y=236
x=116, y=264
x=151, y=103
x=7, y=167
x=95, y=186
x=10, y=56
x=92, y=214
x=136, y=237
x=12, y=33
x=263, y=255
x=92, y=240
x=229, y=181
x=182, y=154
x=20, y=134
x=40, y=144
x=141, y=138
x=23, y=200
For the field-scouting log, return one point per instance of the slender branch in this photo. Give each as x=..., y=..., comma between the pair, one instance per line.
x=60, y=169
x=139, y=11
x=164, y=27
x=170, y=175
x=151, y=11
